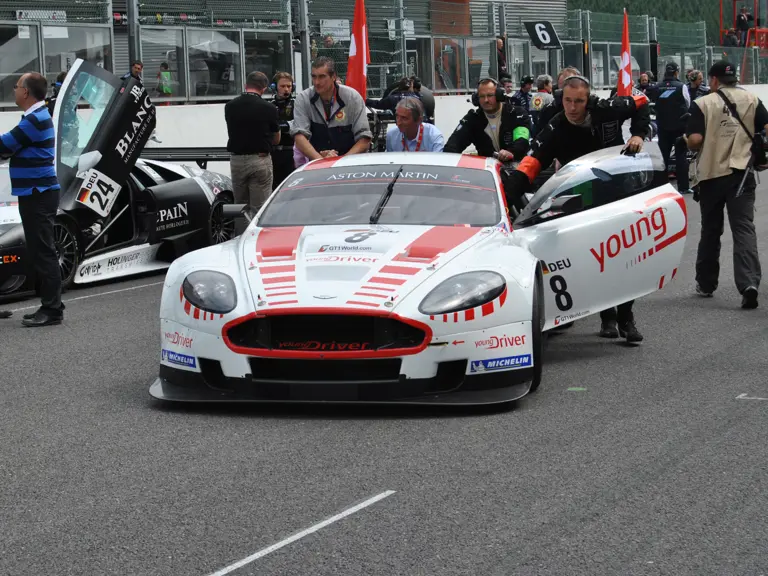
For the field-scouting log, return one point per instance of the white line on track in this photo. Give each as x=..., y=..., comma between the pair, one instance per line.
x=300, y=535
x=94, y=295
x=745, y=397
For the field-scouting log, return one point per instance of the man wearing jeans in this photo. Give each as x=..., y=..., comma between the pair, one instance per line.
x=30, y=146
x=252, y=126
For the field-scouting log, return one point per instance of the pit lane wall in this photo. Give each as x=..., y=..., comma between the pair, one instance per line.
x=202, y=125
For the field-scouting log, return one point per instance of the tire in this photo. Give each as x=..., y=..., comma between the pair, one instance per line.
x=537, y=323
x=67, y=251
x=220, y=229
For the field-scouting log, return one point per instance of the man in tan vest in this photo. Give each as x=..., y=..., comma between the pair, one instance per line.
x=724, y=152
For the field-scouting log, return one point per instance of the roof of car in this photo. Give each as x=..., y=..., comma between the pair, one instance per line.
x=419, y=158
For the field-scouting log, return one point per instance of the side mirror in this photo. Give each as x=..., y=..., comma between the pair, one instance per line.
x=570, y=204
x=237, y=211
x=88, y=161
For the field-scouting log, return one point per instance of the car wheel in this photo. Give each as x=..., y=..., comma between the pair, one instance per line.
x=12, y=284
x=67, y=251
x=537, y=323
x=220, y=229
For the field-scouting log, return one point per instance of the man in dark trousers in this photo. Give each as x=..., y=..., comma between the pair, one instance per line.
x=585, y=124
x=30, y=146
x=724, y=153
x=496, y=126
x=253, y=130
x=672, y=103
x=282, y=154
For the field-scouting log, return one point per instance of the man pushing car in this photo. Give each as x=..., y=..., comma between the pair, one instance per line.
x=585, y=124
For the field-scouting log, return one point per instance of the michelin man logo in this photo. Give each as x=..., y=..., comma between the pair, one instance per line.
x=478, y=367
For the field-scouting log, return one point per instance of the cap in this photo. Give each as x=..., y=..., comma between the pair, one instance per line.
x=722, y=69
x=527, y=80
x=671, y=68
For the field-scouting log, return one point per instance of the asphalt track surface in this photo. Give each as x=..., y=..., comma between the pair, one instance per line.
x=655, y=466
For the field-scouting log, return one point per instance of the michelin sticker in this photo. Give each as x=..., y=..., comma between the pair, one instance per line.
x=179, y=359
x=508, y=363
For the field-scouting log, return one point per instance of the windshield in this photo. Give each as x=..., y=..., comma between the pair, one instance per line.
x=80, y=114
x=600, y=178
x=422, y=195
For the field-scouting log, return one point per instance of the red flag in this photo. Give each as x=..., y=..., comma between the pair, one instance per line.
x=624, y=87
x=359, y=52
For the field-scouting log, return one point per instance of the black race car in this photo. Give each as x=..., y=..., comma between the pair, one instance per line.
x=119, y=214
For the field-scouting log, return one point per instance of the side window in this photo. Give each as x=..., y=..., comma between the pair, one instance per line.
x=81, y=114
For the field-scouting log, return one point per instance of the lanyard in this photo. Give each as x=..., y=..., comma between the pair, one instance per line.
x=418, y=142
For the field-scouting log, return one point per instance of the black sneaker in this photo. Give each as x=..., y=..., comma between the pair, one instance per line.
x=609, y=330
x=629, y=331
x=749, y=298
x=701, y=292
x=5, y=313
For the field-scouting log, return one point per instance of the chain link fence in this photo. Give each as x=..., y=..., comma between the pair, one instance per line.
x=260, y=14
x=56, y=12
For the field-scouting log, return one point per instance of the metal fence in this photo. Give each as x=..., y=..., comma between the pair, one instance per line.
x=208, y=47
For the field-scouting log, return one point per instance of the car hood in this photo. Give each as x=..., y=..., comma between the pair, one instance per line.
x=364, y=267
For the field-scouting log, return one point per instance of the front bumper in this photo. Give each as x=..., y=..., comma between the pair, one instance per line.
x=450, y=386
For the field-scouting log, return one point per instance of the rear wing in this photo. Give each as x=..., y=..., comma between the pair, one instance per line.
x=200, y=155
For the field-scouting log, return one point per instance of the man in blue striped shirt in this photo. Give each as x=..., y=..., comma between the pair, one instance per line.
x=31, y=148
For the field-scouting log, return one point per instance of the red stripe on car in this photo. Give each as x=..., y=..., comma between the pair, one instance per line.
x=322, y=163
x=277, y=269
x=471, y=161
x=435, y=241
x=371, y=295
x=487, y=308
x=383, y=280
x=279, y=280
x=403, y=270
x=357, y=303
x=278, y=243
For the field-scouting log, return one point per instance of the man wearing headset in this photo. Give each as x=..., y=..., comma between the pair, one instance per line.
x=585, y=124
x=495, y=126
x=282, y=154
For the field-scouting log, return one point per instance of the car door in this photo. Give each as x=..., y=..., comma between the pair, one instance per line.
x=102, y=124
x=607, y=229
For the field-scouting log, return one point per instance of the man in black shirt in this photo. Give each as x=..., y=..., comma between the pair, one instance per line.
x=253, y=130
x=585, y=124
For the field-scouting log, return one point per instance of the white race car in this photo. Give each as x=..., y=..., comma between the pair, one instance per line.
x=397, y=277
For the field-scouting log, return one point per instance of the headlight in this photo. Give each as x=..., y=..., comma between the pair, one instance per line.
x=210, y=291
x=462, y=292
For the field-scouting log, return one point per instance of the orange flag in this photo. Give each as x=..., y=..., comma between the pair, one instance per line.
x=359, y=52
x=624, y=86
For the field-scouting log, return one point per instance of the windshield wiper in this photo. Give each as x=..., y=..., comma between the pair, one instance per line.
x=384, y=198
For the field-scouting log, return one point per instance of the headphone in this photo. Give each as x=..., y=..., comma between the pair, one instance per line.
x=499, y=92
x=578, y=78
x=273, y=86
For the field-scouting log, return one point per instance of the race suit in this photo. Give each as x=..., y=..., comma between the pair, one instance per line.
x=514, y=132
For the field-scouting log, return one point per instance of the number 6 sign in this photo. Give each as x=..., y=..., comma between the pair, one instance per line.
x=543, y=35
x=98, y=191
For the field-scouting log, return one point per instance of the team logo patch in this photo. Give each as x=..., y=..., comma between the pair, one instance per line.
x=340, y=115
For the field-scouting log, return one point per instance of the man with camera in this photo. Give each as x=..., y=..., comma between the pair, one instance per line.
x=724, y=128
